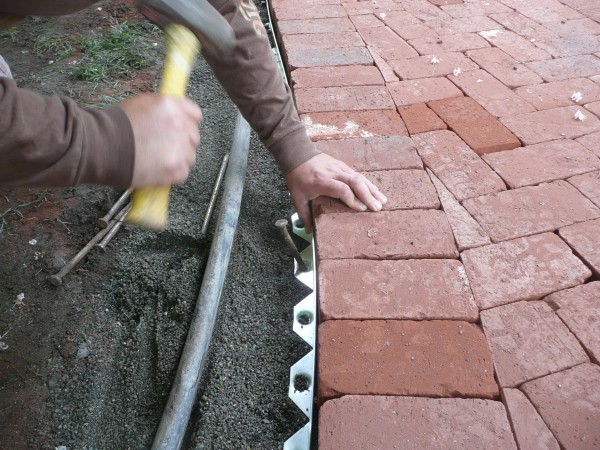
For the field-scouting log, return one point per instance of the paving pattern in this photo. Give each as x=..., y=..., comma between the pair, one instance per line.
x=467, y=313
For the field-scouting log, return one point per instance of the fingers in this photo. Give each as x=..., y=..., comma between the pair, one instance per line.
x=305, y=214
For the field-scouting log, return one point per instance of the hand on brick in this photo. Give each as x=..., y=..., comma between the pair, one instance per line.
x=166, y=135
x=324, y=175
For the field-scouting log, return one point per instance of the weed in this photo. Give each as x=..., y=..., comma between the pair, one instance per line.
x=115, y=53
x=17, y=210
x=58, y=47
x=10, y=33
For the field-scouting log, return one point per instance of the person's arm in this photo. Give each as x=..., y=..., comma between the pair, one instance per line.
x=50, y=141
x=251, y=78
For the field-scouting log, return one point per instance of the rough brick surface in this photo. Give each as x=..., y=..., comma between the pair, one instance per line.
x=467, y=232
x=404, y=189
x=516, y=46
x=529, y=341
x=415, y=289
x=593, y=107
x=462, y=25
x=370, y=7
x=336, y=76
x=350, y=98
x=348, y=124
x=328, y=57
x=302, y=11
x=579, y=309
x=422, y=90
x=564, y=68
x=422, y=67
x=544, y=162
x=477, y=127
x=387, y=43
x=530, y=30
x=418, y=118
x=311, y=26
x=511, y=72
x=551, y=124
x=374, y=153
x=523, y=269
x=592, y=142
x=459, y=42
x=475, y=9
x=402, y=357
x=589, y=185
x=385, y=235
x=366, y=21
x=456, y=165
x=406, y=25
x=490, y=93
x=530, y=430
x=584, y=238
x=559, y=93
x=386, y=71
x=569, y=404
x=296, y=42
x=531, y=210
x=376, y=422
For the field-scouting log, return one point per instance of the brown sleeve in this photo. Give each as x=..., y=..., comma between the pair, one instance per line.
x=251, y=78
x=49, y=141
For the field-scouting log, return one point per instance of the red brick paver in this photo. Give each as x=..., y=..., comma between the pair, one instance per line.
x=405, y=189
x=531, y=210
x=523, y=269
x=385, y=235
x=423, y=67
x=579, y=308
x=336, y=76
x=569, y=404
x=529, y=341
x=328, y=57
x=592, y=142
x=377, y=422
x=348, y=98
x=477, y=127
x=402, y=357
x=339, y=125
x=505, y=68
x=413, y=289
x=418, y=118
x=422, y=90
x=560, y=93
x=588, y=185
x=456, y=165
x=529, y=428
x=584, y=238
x=374, y=153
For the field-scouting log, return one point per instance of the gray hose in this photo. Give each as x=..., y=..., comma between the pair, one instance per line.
x=173, y=424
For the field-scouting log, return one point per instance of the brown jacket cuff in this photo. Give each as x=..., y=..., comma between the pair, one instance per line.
x=293, y=150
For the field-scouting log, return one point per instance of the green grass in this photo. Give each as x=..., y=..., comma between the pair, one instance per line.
x=115, y=53
x=57, y=47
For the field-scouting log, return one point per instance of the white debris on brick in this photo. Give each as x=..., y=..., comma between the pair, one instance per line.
x=580, y=116
x=576, y=97
x=457, y=71
x=435, y=59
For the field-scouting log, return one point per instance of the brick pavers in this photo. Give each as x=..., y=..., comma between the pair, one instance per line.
x=528, y=341
x=584, y=239
x=579, y=309
x=385, y=235
x=569, y=404
x=374, y=153
x=413, y=289
x=346, y=124
x=480, y=121
x=440, y=358
x=405, y=189
x=477, y=127
x=418, y=118
x=529, y=428
x=523, y=269
x=456, y=165
x=376, y=422
x=538, y=163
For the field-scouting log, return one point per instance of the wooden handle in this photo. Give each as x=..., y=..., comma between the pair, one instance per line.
x=150, y=206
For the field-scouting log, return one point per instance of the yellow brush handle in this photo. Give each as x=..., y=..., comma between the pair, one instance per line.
x=150, y=206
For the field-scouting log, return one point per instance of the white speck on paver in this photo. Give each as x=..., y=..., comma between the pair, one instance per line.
x=532, y=40
x=382, y=16
x=457, y=71
x=489, y=34
x=479, y=81
x=33, y=242
x=580, y=116
x=435, y=59
x=577, y=97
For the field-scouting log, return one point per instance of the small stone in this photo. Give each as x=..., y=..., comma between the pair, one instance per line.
x=83, y=351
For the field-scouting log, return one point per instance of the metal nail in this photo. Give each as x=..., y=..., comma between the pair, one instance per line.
x=281, y=224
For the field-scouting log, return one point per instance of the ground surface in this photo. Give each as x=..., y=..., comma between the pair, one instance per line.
x=90, y=364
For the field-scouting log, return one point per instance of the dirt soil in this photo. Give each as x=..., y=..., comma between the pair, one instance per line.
x=90, y=364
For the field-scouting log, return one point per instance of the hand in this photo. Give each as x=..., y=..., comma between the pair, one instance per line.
x=324, y=175
x=166, y=136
